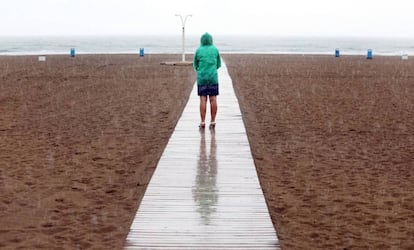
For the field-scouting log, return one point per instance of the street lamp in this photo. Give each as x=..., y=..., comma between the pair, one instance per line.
x=183, y=20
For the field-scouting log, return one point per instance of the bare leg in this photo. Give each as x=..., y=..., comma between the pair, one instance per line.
x=203, y=108
x=213, y=108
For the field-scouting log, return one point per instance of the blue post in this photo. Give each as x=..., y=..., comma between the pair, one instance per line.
x=141, y=52
x=336, y=52
x=72, y=52
x=369, y=54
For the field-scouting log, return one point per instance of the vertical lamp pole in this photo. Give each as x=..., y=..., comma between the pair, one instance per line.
x=183, y=20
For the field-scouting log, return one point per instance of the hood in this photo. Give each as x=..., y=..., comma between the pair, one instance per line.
x=206, y=40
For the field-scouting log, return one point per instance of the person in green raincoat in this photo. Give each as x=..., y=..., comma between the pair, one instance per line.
x=206, y=62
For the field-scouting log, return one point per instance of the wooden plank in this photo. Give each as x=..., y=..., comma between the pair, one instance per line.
x=205, y=193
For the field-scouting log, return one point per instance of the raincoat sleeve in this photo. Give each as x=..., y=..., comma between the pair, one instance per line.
x=196, y=62
x=218, y=60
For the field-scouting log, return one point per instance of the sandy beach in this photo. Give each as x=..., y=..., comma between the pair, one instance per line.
x=333, y=143
x=332, y=139
x=80, y=139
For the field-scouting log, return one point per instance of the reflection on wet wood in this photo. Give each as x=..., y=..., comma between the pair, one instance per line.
x=205, y=193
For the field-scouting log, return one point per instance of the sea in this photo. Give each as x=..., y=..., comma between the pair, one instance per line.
x=45, y=45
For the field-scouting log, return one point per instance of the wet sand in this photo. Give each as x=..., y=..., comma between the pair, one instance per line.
x=80, y=139
x=332, y=139
x=333, y=143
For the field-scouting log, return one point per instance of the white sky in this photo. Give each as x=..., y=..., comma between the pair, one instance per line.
x=219, y=17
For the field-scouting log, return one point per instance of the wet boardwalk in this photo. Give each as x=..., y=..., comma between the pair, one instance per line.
x=205, y=193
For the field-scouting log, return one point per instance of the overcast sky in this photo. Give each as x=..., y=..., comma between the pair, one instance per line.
x=219, y=17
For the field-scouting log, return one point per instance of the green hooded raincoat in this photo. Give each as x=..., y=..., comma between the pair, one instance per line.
x=207, y=61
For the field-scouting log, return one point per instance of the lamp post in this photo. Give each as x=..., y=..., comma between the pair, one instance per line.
x=183, y=20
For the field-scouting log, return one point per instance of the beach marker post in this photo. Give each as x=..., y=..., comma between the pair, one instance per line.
x=369, y=54
x=141, y=52
x=336, y=52
x=183, y=21
x=72, y=52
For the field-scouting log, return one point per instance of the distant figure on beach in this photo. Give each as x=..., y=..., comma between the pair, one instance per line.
x=206, y=62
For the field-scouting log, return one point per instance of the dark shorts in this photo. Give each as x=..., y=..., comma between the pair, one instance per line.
x=208, y=90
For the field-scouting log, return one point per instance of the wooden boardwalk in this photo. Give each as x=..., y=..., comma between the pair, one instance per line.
x=205, y=193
